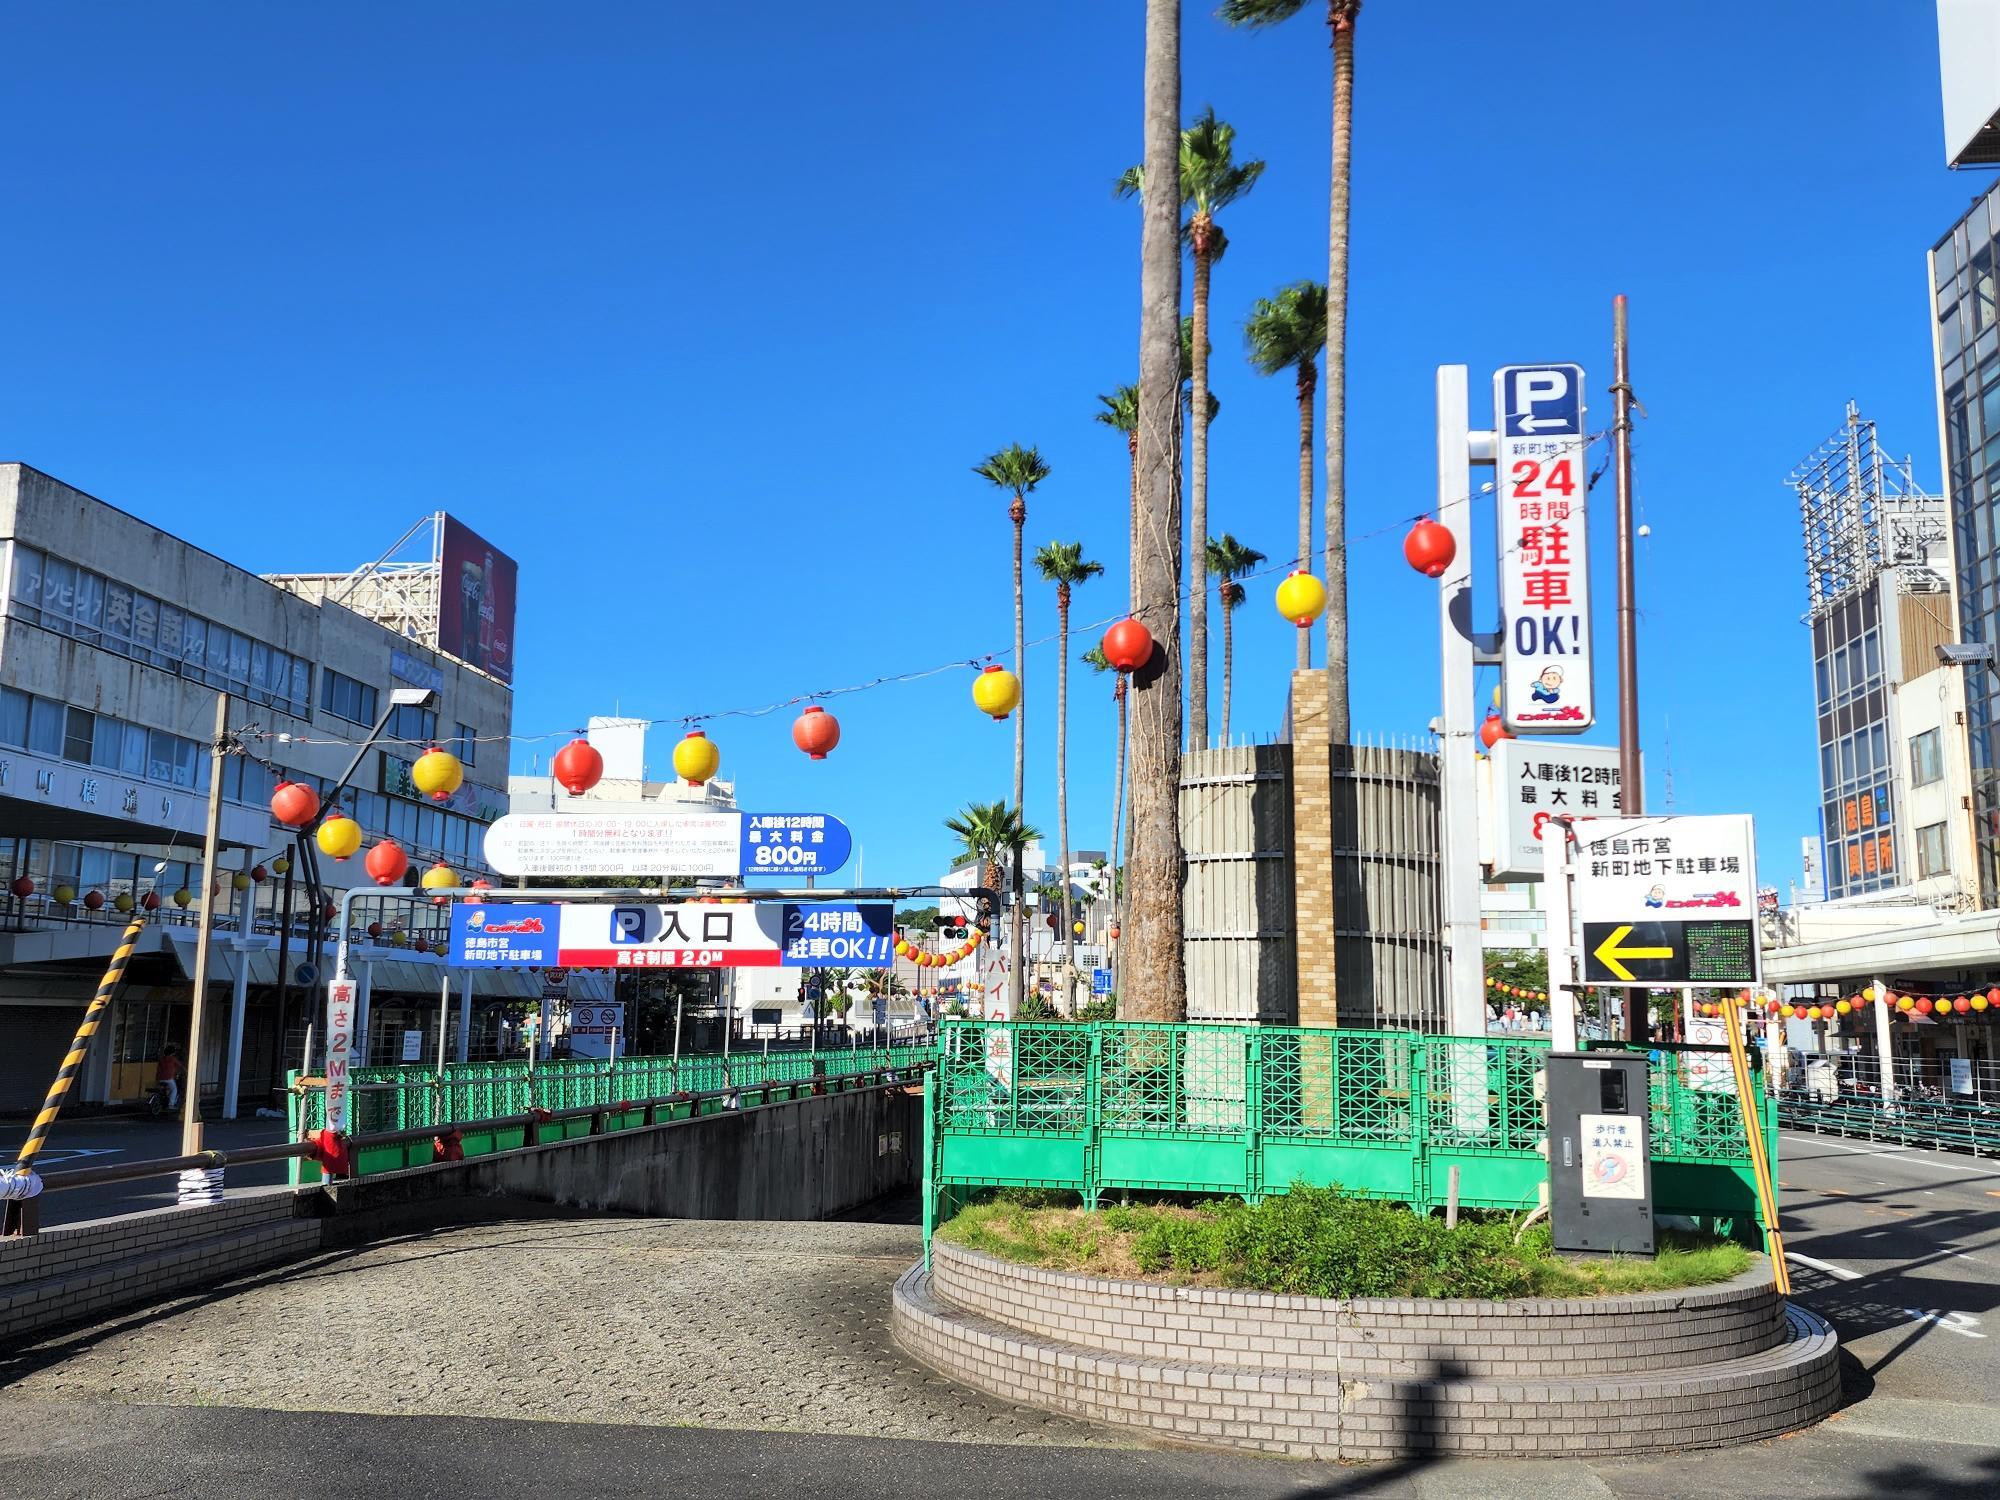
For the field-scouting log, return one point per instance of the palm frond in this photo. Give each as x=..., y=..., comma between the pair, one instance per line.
x=1064, y=562
x=1287, y=330
x=1227, y=558
x=1211, y=177
x=1014, y=468
x=1121, y=409
x=1258, y=12
x=1131, y=182
x=1096, y=660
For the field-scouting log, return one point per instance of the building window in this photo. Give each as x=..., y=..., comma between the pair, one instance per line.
x=1927, y=757
x=412, y=725
x=464, y=743
x=345, y=698
x=1933, y=858
x=78, y=733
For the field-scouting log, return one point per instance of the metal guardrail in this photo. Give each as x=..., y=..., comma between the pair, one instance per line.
x=1938, y=1124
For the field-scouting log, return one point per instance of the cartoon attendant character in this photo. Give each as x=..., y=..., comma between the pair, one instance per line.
x=1548, y=686
x=1657, y=896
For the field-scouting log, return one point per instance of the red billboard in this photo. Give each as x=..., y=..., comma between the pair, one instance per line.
x=476, y=602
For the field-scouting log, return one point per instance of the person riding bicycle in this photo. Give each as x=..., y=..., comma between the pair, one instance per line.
x=168, y=1072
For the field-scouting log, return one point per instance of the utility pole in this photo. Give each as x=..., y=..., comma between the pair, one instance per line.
x=1632, y=788
x=191, y=1100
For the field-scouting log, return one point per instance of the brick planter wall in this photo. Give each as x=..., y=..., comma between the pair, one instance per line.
x=1374, y=1379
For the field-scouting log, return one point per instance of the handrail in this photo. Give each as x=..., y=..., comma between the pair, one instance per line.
x=248, y=1155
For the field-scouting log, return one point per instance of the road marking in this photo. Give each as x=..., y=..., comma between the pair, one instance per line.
x=1953, y=1322
x=1903, y=1153
x=1841, y=1272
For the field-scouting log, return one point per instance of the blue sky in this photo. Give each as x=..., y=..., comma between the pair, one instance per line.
x=705, y=312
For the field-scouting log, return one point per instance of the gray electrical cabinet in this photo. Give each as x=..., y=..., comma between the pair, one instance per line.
x=1600, y=1155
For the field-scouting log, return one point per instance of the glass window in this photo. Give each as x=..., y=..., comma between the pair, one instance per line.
x=260, y=671
x=27, y=577
x=301, y=685
x=89, y=604
x=1926, y=757
x=403, y=821
x=13, y=718
x=106, y=742
x=456, y=831
x=45, y=727
x=58, y=594
x=160, y=755
x=79, y=730
x=1933, y=858
x=1872, y=644
x=185, y=756
x=232, y=778
x=465, y=743
x=149, y=624
x=118, y=611
x=430, y=828
x=132, y=753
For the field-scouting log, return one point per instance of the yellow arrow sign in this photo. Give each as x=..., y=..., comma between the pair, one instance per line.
x=1612, y=954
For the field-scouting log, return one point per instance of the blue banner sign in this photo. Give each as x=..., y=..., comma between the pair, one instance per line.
x=504, y=936
x=1100, y=981
x=841, y=934
x=791, y=845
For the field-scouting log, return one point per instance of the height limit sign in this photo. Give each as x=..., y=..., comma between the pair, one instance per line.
x=1543, y=481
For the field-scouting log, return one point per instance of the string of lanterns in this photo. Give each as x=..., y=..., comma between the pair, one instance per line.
x=1515, y=991
x=925, y=960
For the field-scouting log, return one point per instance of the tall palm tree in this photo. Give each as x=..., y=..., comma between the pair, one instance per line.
x=993, y=834
x=1097, y=661
x=1064, y=565
x=1121, y=414
x=1287, y=332
x=1341, y=16
x=1210, y=180
x=1155, y=976
x=1017, y=470
x=1228, y=559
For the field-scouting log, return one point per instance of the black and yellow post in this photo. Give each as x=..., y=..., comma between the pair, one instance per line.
x=22, y=1216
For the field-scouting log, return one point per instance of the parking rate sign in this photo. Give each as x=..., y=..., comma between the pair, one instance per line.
x=1539, y=458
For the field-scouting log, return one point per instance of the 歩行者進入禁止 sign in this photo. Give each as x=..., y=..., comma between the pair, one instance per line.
x=1668, y=900
x=1528, y=782
x=1539, y=451
x=727, y=935
x=712, y=846
x=501, y=935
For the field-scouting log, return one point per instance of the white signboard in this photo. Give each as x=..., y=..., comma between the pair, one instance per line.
x=592, y=1027
x=340, y=1002
x=1543, y=480
x=1961, y=1074
x=1528, y=782
x=1709, y=1071
x=1613, y=1165
x=685, y=935
x=552, y=845
x=1670, y=900
x=413, y=1046
x=1814, y=888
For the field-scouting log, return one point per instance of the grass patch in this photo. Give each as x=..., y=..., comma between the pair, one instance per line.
x=1316, y=1242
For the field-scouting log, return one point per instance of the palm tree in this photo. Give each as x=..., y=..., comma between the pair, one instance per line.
x=1121, y=414
x=1341, y=16
x=1211, y=179
x=1228, y=559
x=1018, y=470
x=1099, y=662
x=993, y=833
x=1287, y=332
x=1064, y=565
x=1155, y=977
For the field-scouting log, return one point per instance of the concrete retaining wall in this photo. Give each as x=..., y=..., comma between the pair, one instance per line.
x=1388, y=1378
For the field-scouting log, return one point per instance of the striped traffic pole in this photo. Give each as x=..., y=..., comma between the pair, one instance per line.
x=99, y=1003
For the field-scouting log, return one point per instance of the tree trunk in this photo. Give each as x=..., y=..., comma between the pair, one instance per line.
x=1062, y=791
x=1155, y=980
x=1132, y=552
x=1118, y=859
x=1018, y=513
x=1228, y=653
x=1197, y=585
x=1337, y=722
x=1308, y=378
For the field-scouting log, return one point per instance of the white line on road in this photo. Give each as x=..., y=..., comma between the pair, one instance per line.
x=1954, y=1322
x=1924, y=1158
x=1822, y=1265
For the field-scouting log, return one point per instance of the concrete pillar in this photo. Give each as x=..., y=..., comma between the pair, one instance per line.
x=1312, y=850
x=239, y=996
x=1884, y=1054
x=465, y=1015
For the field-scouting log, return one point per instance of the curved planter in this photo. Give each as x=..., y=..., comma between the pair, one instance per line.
x=1375, y=1378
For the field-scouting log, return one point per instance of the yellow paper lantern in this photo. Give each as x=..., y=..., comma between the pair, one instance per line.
x=437, y=774
x=281, y=866
x=182, y=897
x=1301, y=599
x=339, y=837
x=1980, y=1002
x=122, y=901
x=1077, y=928
x=64, y=894
x=1843, y=1007
x=440, y=876
x=997, y=691
x=239, y=881
x=696, y=758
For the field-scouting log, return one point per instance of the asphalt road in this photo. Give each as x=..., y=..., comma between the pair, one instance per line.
x=92, y=1141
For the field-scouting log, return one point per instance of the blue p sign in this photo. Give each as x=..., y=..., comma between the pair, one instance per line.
x=628, y=924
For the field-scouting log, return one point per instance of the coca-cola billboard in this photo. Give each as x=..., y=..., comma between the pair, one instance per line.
x=476, y=602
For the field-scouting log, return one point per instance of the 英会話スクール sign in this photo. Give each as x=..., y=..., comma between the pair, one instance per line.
x=727, y=935
x=713, y=846
x=1543, y=481
x=1668, y=900
x=1528, y=782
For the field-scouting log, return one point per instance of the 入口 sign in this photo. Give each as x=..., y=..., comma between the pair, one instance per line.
x=1529, y=781
x=1668, y=900
x=1543, y=480
x=727, y=935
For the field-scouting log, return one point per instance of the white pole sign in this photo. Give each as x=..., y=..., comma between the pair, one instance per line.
x=340, y=1001
x=1531, y=781
x=553, y=845
x=1539, y=460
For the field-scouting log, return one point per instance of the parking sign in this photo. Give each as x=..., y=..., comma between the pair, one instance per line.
x=1543, y=478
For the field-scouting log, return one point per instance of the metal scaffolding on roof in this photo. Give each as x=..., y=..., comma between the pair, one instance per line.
x=399, y=589
x=1863, y=512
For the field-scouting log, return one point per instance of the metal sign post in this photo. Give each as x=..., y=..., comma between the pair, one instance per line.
x=1561, y=936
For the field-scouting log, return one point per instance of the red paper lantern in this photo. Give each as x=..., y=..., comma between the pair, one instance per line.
x=23, y=887
x=151, y=901
x=374, y=929
x=1493, y=731
x=816, y=732
x=386, y=862
x=478, y=885
x=294, y=804
x=1128, y=646
x=1962, y=1004
x=1923, y=1005
x=259, y=874
x=578, y=767
x=1114, y=934
x=1429, y=548
x=94, y=901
